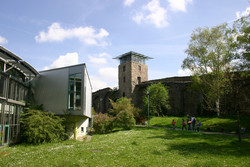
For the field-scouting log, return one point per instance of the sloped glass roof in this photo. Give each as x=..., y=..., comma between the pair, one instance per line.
x=17, y=62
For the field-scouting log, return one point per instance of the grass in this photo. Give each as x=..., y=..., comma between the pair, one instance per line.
x=138, y=147
x=225, y=124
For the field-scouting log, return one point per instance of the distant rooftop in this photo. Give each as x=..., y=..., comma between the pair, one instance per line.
x=132, y=56
x=131, y=53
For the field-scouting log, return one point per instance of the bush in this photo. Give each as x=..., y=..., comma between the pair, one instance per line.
x=102, y=123
x=125, y=119
x=39, y=127
x=123, y=104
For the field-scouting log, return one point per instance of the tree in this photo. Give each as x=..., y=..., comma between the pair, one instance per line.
x=123, y=104
x=241, y=29
x=158, y=99
x=125, y=113
x=210, y=55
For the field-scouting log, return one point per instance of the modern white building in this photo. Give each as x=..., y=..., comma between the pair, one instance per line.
x=63, y=90
x=66, y=90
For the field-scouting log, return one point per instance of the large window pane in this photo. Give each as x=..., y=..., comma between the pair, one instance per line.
x=75, y=84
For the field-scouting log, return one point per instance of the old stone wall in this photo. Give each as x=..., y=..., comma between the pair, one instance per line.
x=100, y=99
x=182, y=99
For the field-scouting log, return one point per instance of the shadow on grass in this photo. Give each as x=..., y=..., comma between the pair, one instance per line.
x=186, y=143
x=207, y=148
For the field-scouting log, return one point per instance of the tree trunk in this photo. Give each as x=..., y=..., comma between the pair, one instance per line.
x=239, y=129
x=218, y=107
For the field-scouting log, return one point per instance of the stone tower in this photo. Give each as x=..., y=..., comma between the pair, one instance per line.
x=132, y=71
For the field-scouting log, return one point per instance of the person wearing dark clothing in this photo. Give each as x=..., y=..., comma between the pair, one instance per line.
x=198, y=125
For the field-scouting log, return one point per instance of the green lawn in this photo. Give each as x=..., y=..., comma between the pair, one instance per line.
x=224, y=124
x=138, y=147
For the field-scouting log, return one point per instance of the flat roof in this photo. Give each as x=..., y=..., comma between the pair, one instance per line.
x=132, y=53
x=17, y=62
x=59, y=68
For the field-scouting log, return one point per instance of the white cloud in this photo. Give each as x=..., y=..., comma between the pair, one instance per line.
x=64, y=60
x=109, y=73
x=107, y=77
x=244, y=13
x=128, y=2
x=179, y=5
x=3, y=40
x=99, y=59
x=88, y=35
x=152, y=13
x=185, y=72
x=104, y=55
x=97, y=83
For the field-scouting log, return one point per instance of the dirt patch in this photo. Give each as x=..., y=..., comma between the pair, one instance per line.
x=97, y=150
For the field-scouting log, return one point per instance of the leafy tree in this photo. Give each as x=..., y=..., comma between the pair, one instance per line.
x=125, y=119
x=241, y=29
x=158, y=99
x=125, y=113
x=124, y=104
x=38, y=127
x=210, y=55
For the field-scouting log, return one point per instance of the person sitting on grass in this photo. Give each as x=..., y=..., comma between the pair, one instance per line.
x=184, y=124
x=198, y=125
x=173, y=123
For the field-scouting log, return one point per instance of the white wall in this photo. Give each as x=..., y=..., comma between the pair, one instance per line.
x=88, y=99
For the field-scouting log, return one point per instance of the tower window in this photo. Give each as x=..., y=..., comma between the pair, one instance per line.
x=123, y=94
x=124, y=68
x=124, y=79
x=138, y=80
x=139, y=67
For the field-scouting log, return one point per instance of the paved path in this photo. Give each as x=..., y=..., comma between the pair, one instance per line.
x=219, y=133
x=88, y=138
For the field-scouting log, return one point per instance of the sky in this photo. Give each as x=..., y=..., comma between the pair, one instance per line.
x=55, y=33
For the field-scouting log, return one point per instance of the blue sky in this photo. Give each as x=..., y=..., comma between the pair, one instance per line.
x=54, y=33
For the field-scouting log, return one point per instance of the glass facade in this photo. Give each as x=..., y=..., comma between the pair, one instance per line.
x=12, y=98
x=135, y=58
x=74, y=93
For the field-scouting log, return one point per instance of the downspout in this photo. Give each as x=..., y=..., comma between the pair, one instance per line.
x=75, y=129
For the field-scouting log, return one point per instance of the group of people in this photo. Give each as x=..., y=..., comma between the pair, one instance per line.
x=190, y=121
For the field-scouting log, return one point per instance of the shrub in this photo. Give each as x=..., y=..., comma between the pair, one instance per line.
x=123, y=104
x=103, y=123
x=125, y=119
x=40, y=127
